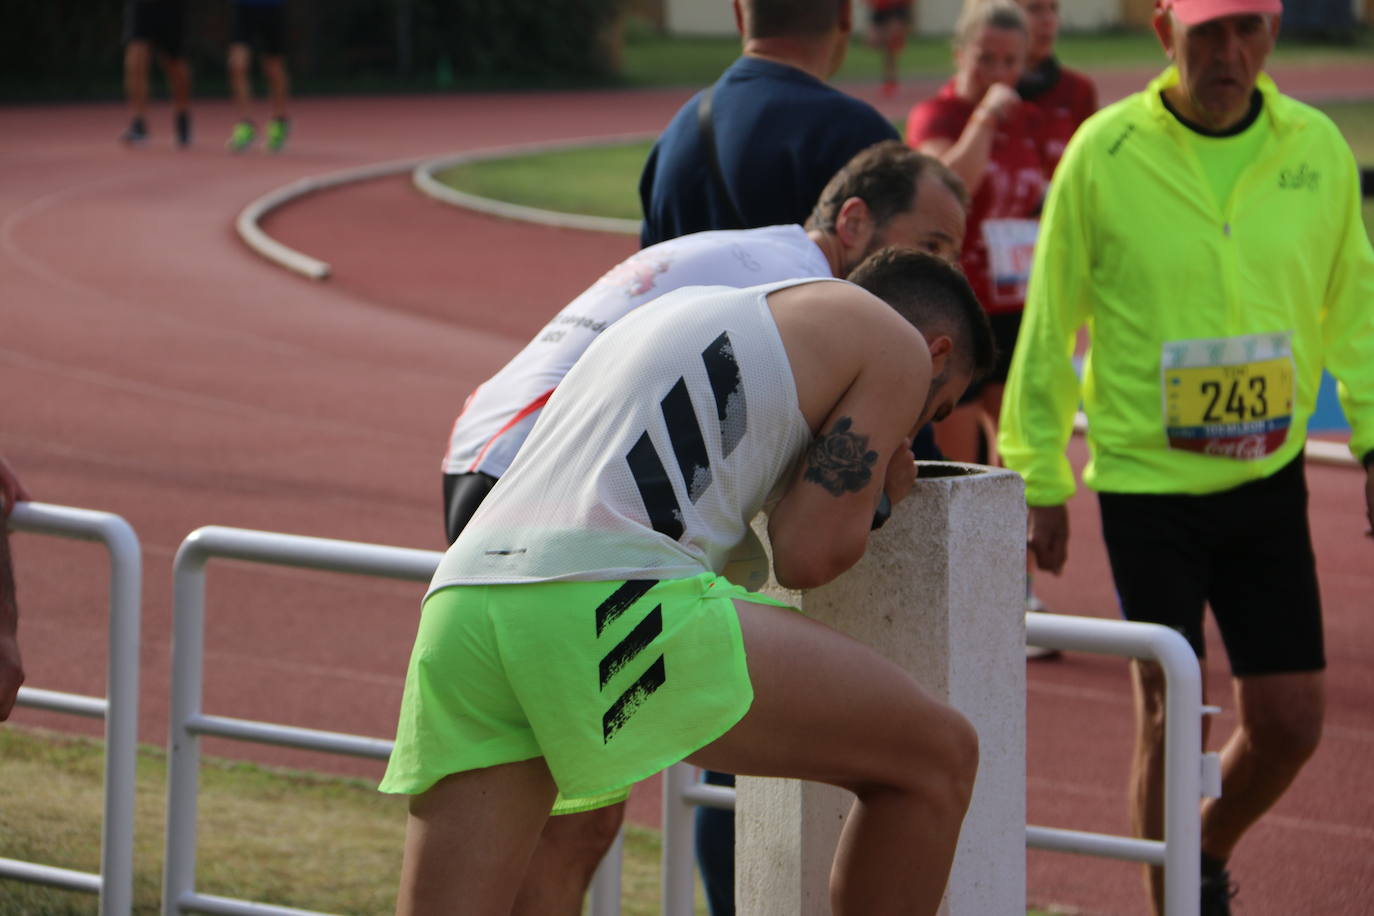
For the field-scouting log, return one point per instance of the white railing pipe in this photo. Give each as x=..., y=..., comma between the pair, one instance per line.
x=119, y=707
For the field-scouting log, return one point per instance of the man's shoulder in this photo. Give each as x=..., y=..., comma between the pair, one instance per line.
x=1110, y=129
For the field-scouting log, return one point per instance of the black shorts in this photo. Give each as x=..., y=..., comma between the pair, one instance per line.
x=161, y=23
x=463, y=493
x=1006, y=326
x=263, y=25
x=1247, y=552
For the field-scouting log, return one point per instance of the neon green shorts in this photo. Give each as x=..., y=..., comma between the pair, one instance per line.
x=609, y=682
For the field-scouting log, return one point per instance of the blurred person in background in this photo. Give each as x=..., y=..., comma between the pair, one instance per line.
x=260, y=22
x=889, y=24
x=156, y=27
x=1065, y=97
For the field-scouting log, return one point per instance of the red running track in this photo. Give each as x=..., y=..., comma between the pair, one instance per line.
x=153, y=367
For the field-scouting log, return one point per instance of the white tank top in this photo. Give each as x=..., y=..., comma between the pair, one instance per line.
x=649, y=461
x=501, y=412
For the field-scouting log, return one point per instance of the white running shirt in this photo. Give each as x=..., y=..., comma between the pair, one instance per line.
x=499, y=415
x=678, y=426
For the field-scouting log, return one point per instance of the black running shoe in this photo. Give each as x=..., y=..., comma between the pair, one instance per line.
x=136, y=134
x=183, y=128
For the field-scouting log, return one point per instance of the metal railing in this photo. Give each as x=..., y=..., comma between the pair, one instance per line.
x=1188, y=773
x=189, y=723
x=119, y=706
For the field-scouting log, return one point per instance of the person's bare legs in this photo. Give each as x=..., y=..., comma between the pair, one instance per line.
x=1280, y=727
x=137, y=57
x=570, y=848
x=469, y=839
x=240, y=57
x=278, y=83
x=178, y=71
x=1280, y=721
x=829, y=709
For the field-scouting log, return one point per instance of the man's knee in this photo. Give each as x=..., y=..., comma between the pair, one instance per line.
x=1284, y=723
x=948, y=755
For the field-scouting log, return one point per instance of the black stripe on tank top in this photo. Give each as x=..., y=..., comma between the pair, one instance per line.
x=722, y=369
x=620, y=601
x=684, y=431
x=645, y=632
x=655, y=488
x=630, y=701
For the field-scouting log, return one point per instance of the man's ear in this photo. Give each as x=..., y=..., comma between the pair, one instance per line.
x=739, y=17
x=941, y=346
x=1163, y=24
x=846, y=20
x=854, y=224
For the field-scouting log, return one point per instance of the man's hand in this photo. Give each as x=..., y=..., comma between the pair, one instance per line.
x=11, y=674
x=998, y=101
x=1049, y=537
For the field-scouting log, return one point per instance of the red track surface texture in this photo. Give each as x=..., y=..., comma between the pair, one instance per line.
x=153, y=367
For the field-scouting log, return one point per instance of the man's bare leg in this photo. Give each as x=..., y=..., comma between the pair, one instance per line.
x=240, y=57
x=570, y=848
x=829, y=709
x=137, y=56
x=178, y=71
x=1280, y=718
x=469, y=839
x=1279, y=729
x=278, y=83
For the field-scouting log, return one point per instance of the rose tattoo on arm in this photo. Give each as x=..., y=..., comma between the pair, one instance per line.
x=840, y=460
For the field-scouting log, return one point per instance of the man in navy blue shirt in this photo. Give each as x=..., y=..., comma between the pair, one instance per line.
x=777, y=134
x=780, y=133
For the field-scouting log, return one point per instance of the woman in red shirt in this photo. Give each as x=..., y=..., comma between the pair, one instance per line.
x=979, y=126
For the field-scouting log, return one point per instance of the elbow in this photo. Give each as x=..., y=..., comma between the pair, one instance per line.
x=803, y=569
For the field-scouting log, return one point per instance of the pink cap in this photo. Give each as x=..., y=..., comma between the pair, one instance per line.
x=1191, y=12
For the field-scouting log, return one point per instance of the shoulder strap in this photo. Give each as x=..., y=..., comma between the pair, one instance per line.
x=706, y=127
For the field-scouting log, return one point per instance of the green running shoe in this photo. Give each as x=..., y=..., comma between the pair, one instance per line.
x=243, y=136
x=277, y=129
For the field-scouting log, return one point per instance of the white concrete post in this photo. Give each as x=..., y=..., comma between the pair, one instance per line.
x=941, y=592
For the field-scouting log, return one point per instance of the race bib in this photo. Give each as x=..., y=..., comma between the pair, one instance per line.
x=1011, y=248
x=1232, y=396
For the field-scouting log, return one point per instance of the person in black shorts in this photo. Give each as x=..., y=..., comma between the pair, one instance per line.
x=260, y=22
x=156, y=26
x=889, y=24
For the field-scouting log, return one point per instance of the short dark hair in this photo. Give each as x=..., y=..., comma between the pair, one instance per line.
x=789, y=18
x=935, y=297
x=885, y=176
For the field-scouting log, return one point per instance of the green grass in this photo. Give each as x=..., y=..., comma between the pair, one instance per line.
x=284, y=837
x=604, y=181
x=275, y=836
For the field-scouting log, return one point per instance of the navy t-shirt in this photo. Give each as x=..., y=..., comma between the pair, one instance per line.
x=780, y=133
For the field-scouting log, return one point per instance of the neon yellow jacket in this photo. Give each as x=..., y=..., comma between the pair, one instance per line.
x=1134, y=246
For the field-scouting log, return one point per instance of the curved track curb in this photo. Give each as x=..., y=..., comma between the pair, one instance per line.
x=424, y=180
x=253, y=236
